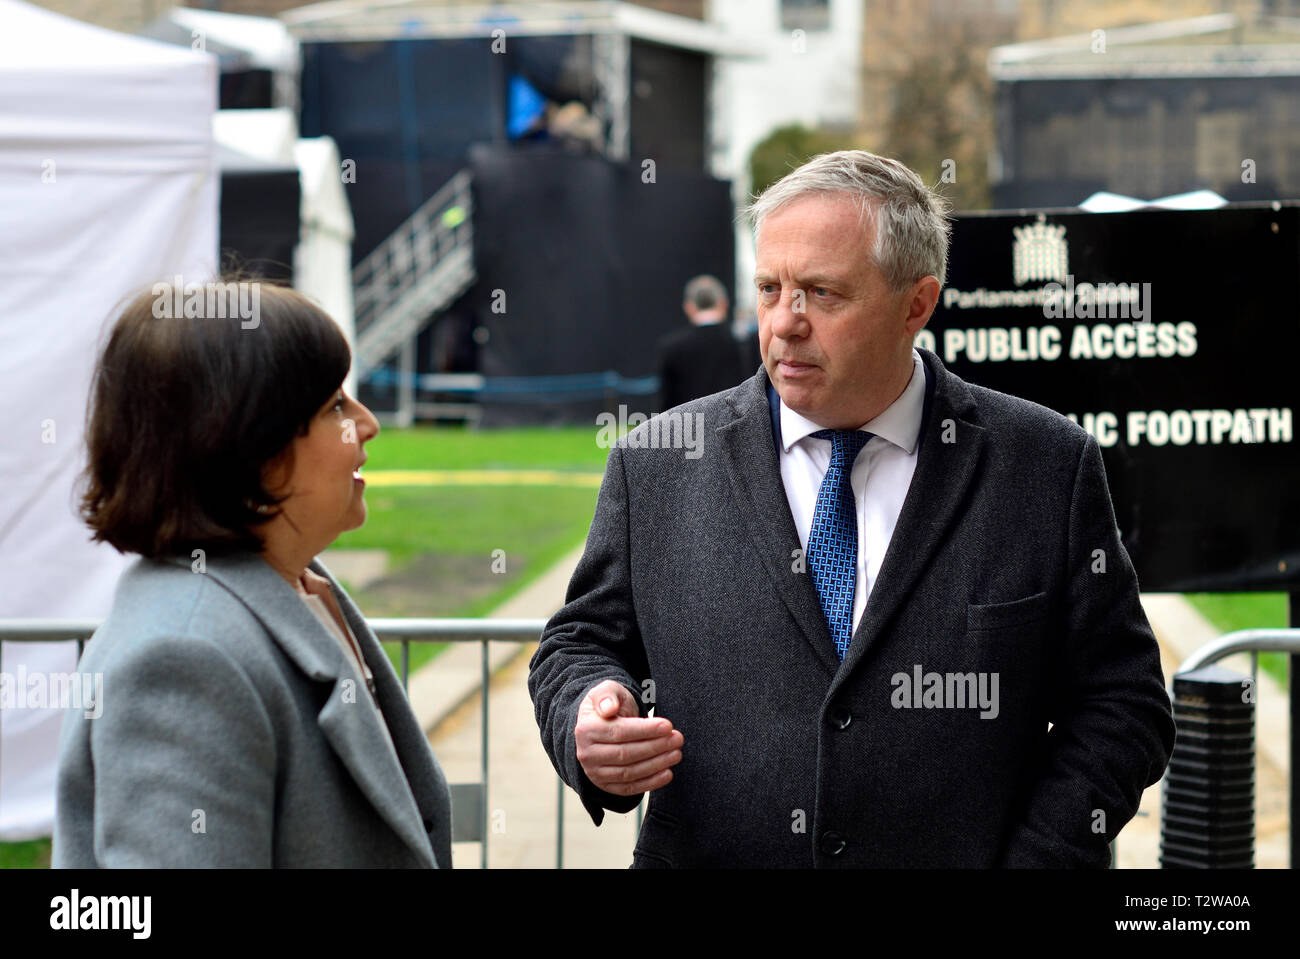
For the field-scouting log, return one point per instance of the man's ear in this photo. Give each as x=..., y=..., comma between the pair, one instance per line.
x=921, y=299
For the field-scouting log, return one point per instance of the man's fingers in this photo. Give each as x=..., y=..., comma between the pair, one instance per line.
x=618, y=750
x=637, y=772
x=656, y=781
x=599, y=755
x=623, y=730
x=608, y=699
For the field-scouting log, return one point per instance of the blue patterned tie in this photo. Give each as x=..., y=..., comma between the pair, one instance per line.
x=833, y=539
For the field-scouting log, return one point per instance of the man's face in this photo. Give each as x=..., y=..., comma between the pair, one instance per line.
x=835, y=339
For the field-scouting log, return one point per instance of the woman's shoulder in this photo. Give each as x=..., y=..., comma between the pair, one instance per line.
x=170, y=598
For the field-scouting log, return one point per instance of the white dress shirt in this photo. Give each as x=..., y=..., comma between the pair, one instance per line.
x=880, y=480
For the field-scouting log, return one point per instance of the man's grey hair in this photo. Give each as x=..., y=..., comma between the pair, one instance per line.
x=704, y=292
x=910, y=220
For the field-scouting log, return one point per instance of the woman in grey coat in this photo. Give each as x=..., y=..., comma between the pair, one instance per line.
x=249, y=717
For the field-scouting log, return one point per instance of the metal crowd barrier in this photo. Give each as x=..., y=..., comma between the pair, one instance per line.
x=471, y=796
x=483, y=631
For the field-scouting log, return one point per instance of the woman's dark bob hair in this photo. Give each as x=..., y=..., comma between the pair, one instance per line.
x=193, y=396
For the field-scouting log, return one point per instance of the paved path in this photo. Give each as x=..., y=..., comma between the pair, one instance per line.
x=522, y=783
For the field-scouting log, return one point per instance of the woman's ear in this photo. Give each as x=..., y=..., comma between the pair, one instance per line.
x=277, y=472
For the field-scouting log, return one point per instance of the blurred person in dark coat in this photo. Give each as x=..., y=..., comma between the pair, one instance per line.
x=704, y=358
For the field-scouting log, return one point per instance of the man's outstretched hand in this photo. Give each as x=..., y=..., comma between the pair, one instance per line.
x=619, y=751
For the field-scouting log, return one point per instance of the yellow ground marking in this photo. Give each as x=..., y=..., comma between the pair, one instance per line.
x=479, y=478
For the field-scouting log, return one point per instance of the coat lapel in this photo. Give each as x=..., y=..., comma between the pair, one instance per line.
x=951, y=446
x=749, y=449
x=351, y=729
x=427, y=784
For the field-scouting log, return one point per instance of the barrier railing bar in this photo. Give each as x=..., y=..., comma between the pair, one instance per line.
x=483, y=757
x=1243, y=641
x=559, y=823
x=417, y=629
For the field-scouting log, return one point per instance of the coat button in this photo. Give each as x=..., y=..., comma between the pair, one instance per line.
x=833, y=843
x=839, y=716
x=428, y=825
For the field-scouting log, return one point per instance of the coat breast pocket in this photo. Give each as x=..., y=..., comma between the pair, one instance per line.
x=993, y=617
x=1011, y=644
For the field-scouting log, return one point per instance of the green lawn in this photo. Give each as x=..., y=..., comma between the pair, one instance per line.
x=471, y=521
x=443, y=544
x=32, y=854
x=442, y=540
x=1233, y=611
x=438, y=447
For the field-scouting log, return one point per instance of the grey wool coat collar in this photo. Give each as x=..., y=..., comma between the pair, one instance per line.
x=944, y=471
x=360, y=746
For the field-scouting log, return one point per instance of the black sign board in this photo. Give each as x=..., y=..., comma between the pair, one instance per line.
x=1174, y=338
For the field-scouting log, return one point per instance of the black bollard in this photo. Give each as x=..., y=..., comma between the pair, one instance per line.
x=1208, y=805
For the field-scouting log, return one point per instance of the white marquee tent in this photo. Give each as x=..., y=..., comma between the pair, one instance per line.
x=107, y=184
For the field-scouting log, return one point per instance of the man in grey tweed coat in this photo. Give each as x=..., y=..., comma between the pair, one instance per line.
x=979, y=689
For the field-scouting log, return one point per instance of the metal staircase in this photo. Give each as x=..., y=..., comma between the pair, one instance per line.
x=418, y=271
